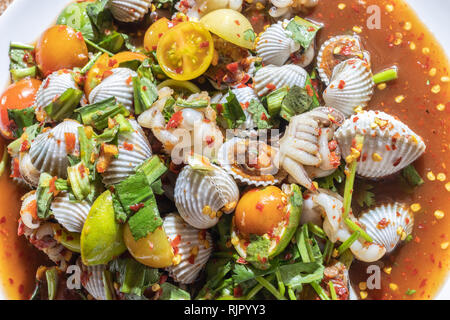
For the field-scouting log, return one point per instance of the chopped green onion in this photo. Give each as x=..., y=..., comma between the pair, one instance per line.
x=78, y=177
x=18, y=74
x=86, y=147
x=291, y=294
x=64, y=106
x=199, y=103
x=281, y=287
x=319, y=290
x=92, y=44
x=412, y=176
x=274, y=100
x=347, y=243
x=318, y=231
x=327, y=252
x=18, y=45
x=124, y=124
x=355, y=228
x=3, y=161
x=51, y=276
x=269, y=287
x=153, y=168
x=258, y=288
x=97, y=114
x=332, y=290
x=91, y=62
x=410, y=292
x=386, y=75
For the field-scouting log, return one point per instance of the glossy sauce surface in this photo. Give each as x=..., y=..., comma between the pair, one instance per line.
x=421, y=264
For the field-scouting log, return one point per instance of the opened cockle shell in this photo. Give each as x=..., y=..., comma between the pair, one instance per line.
x=306, y=148
x=337, y=49
x=388, y=224
x=129, y=10
x=251, y=162
x=272, y=77
x=93, y=281
x=389, y=145
x=28, y=211
x=134, y=149
x=70, y=214
x=51, y=88
x=351, y=86
x=194, y=247
x=275, y=46
x=118, y=85
x=49, y=151
x=202, y=195
x=244, y=95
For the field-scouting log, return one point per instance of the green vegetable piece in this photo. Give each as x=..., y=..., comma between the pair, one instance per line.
x=113, y=42
x=131, y=64
x=194, y=104
x=100, y=17
x=297, y=101
x=102, y=236
x=412, y=176
x=22, y=118
x=86, y=148
x=274, y=100
x=124, y=124
x=168, y=109
x=258, y=249
x=97, y=114
x=302, y=31
x=259, y=114
x=386, y=75
x=76, y=17
x=64, y=106
x=51, y=275
x=231, y=112
x=44, y=197
x=171, y=292
x=133, y=191
x=78, y=177
x=22, y=63
x=146, y=92
x=145, y=221
x=153, y=168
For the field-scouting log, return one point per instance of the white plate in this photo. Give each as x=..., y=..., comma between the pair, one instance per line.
x=24, y=21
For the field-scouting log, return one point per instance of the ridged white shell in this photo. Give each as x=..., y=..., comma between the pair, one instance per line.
x=129, y=10
x=191, y=240
x=288, y=75
x=351, y=86
x=196, y=189
x=123, y=166
x=388, y=224
x=227, y=159
x=275, y=46
x=324, y=67
x=48, y=151
x=52, y=87
x=244, y=95
x=70, y=214
x=28, y=172
x=26, y=213
x=384, y=136
x=117, y=85
x=94, y=284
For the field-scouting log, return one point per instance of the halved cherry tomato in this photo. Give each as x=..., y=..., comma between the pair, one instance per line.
x=185, y=51
x=61, y=47
x=19, y=95
x=155, y=32
x=106, y=63
x=260, y=210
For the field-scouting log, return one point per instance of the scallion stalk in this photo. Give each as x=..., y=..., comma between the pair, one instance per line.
x=319, y=290
x=92, y=44
x=91, y=62
x=386, y=75
x=332, y=290
x=257, y=288
x=355, y=228
x=269, y=287
x=281, y=287
x=318, y=231
x=291, y=294
x=347, y=243
x=51, y=276
x=327, y=252
x=22, y=46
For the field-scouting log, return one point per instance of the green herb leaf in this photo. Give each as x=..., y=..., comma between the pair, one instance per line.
x=363, y=195
x=97, y=114
x=22, y=62
x=145, y=221
x=231, y=113
x=302, y=31
x=259, y=114
x=100, y=17
x=76, y=17
x=44, y=197
x=297, y=274
x=297, y=101
x=329, y=182
x=145, y=93
x=171, y=292
x=21, y=119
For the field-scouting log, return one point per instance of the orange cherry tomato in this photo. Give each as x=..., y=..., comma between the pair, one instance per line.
x=19, y=95
x=260, y=210
x=106, y=63
x=61, y=47
x=185, y=51
x=155, y=32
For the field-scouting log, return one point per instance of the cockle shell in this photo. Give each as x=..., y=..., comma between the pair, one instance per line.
x=388, y=224
x=389, y=145
x=92, y=281
x=337, y=49
x=53, y=87
x=272, y=77
x=28, y=211
x=28, y=172
x=119, y=85
x=70, y=214
x=235, y=156
x=48, y=152
x=134, y=149
x=351, y=86
x=244, y=95
x=129, y=10
x=201, y=194
x=275, y=46
x=193, y=245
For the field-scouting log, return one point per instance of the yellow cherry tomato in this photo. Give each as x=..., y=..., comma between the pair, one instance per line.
x=155, y=32
x=61, y=47
x=154, y=250
x=231, y=26
x=259, y=211
x=185, y=51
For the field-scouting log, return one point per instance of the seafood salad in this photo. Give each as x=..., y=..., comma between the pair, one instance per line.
x=205, y=149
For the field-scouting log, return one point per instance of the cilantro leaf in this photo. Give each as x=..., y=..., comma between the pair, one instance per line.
x=329, y=182
x=363, y=195
x=297, y=274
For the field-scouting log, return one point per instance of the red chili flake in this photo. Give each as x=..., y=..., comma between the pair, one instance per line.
x=175, y=243
x=423, y=283
x=47, y=82
x=237, y=292
x=21, y=289
x=259, y=206
x=335, y=160
x=128, y=146
x=232, y=67
x=70, y=140
x=191, y=259
x=80, y=36
x=263, y=116
x=271, y=86
x=52, y=186
x=341, y=84
x=137, y=207
x=204, y=44
x=82, y=170
x=24, y=146
x=245, y=105
x=154, y=48
x=219, y=108
x=160, y=35
x=106, y=74
x=209, y=140
x=2, y=220
x=112, y=62
x=130, y=80
x=309, y=90
x=238, y=35
x=332, y=145
x=175, y=120
x=163, y=278
x=383, y=223
x=179, y=70
x=11, y=281
x=311, y=29
x=15, y=172
x=397, y=162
